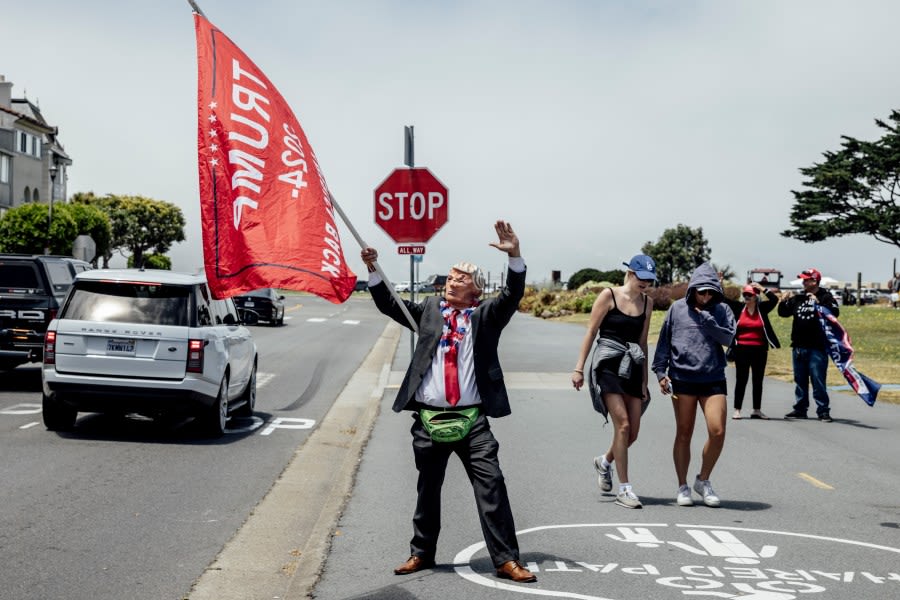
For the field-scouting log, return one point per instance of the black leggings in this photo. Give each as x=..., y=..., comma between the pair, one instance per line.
x=747, y=359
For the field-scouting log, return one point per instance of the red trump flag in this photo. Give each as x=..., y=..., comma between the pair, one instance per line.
x=266, y=212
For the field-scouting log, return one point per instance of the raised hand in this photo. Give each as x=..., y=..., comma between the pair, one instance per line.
x=508, y=241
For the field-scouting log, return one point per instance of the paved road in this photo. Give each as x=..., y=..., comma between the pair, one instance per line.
x=131, y=509
x=128, y=508
x=810, y=510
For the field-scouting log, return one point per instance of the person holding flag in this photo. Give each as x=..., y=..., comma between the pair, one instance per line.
x=809, y=346
x=453, y=383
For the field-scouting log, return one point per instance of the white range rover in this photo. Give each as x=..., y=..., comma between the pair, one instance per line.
x=149, y=342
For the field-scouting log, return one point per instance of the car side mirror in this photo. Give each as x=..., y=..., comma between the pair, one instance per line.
x=229, y=320
x=281, y=297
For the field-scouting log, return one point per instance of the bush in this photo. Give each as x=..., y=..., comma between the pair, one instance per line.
x=582, y=276
x=153, y=261
x=662, y=298
x=587, y=302
x=615, y=277
x=547, y=304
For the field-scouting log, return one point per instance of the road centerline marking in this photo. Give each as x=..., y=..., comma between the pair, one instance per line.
x=815, y=482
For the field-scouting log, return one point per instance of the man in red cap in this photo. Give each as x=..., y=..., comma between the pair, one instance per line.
x=809, y=351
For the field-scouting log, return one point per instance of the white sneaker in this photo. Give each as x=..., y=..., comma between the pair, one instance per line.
x=704, y=488
x=684, y=496
x=605, y=475
x=628, y=499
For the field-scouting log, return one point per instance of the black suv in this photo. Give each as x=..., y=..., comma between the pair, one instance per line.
x=266, y=303
x=32, y=288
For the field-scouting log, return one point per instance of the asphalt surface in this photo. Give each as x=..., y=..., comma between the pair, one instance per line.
x=809, y=509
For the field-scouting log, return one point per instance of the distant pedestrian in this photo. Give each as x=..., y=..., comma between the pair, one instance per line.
x=895, y=290
x=808, y=344
x=690, y=364
x=847, y=297
x=617, y=374
x=752, y=341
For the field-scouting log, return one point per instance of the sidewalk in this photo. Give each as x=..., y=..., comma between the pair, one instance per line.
x=280, y=550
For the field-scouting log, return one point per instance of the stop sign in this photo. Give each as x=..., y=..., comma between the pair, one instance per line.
x=411, y=205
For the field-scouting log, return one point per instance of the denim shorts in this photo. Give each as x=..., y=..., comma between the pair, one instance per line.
x=701, y=389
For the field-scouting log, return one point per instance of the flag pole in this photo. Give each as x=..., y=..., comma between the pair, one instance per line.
x=196, y=8
x=378, y=270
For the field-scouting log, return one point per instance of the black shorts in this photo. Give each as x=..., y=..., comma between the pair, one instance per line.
x=611, y=383
x=702, y=389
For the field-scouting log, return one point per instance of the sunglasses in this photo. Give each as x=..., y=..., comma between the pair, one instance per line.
x=704, y=292
x=748, y=295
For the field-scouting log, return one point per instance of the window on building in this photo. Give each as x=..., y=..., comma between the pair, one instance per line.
x=28, y=144
x=4, y=168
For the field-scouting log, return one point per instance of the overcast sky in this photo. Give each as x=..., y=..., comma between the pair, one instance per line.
x=591, y=126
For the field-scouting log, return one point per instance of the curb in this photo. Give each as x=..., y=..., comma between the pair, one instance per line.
x=280, y=551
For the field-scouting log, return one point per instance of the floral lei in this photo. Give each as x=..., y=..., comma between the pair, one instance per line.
x=449, y=337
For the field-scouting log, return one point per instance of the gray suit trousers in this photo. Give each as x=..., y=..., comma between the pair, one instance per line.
x=479, y=455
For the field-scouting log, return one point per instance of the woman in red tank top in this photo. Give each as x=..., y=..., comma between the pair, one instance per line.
x=751, y=345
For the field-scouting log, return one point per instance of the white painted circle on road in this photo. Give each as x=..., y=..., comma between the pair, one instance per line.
x=697, y=560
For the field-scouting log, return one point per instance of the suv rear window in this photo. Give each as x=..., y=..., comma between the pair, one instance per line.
x=19, y=278
x=60, y=276
x=116, y=302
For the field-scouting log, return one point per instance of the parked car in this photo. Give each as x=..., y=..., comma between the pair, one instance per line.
x=424, y=288
x=437, y=282
x=872, y=296
x=361, y=286
x=148, y=342
x=401, y=286
x=32, y=288
x=767, y=277
x=265, y=302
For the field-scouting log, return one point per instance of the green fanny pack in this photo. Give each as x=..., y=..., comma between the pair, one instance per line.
x=448, y=425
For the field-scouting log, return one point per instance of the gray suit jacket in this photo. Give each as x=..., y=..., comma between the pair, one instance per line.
x=488, y=321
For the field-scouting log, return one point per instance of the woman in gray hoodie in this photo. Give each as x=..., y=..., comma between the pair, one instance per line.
x=690, y=364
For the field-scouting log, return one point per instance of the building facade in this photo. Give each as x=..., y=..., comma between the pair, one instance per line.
x=33, y=163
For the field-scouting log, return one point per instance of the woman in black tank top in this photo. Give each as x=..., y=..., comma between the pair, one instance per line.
x=620, y=319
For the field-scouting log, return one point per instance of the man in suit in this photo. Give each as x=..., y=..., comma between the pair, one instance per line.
x=455, y=368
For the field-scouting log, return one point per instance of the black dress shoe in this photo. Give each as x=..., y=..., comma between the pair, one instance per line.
x=511, y=569
x=795, y=414
x=413, y=564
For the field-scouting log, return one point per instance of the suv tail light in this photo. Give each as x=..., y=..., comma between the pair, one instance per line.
x=195, y=356
x=50, y=348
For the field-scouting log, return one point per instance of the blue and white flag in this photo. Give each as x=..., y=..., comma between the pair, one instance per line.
x=841, y=353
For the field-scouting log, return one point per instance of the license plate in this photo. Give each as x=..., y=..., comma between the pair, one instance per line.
x=249, y=303
x=120, y=346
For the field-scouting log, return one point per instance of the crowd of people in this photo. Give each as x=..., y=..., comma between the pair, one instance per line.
x=454, y=381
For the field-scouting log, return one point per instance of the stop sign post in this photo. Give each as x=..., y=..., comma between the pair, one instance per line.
x=411, y=205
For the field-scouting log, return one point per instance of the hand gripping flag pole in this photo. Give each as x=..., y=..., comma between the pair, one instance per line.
x=362, y=244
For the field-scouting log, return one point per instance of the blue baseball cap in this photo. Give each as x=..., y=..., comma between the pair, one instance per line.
x=643, y=266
